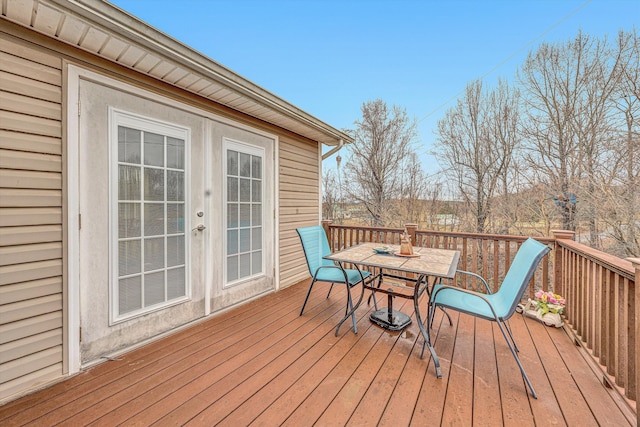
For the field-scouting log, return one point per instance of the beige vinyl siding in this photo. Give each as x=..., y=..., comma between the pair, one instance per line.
x=31, y=215
x=299, y=195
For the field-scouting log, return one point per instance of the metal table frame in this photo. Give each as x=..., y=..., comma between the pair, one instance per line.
x=432, y=263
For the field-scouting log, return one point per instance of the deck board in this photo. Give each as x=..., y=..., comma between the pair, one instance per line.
x=486, y=387
x=262, y=364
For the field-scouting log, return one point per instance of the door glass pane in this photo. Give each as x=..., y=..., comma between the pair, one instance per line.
x=153, y=254
x=128, y=183
x=175, y=186
x=232, y=215
x=175, y=153
x=129, y=145
x=129, y=257
x=129, y=220
x=245, y=265
x=245, y=190
x=153, y=288
x=153, y=149
x=176, y=283
x=245, y=164
x=129, y=294
x=175, y=251
x=256, y=238
x=256, y=167
x=232, y=189
x=232, y=163
x=256, y=191
x=256, y=262
x=153, y=184
x=153, y=219
x=245, y=215
x=232, y=268
x=245, y=239
x=232, y=242
x=256, y=214
x=175, y=218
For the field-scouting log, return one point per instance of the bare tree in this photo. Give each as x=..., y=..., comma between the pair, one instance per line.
x=504, y=122
x=330, y=193
x=476, y=140
x=595, y=126
x=570, y=126
x=551, y=78
x=413, y=191
x=373, y=173
x=622, y=200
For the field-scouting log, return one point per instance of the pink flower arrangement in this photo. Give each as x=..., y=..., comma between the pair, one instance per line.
x=548, y=302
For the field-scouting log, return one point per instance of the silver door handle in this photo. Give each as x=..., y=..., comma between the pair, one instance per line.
x=200, y=227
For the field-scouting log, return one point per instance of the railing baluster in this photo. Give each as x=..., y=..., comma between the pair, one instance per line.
x=465, y=254
x=612, y=315
x=496, y=265
x=632, y=355
x=474, y=263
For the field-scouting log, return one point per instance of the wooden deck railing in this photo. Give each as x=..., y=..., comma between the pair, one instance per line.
x=603, y=309
x=602, y=298
x=488, y=255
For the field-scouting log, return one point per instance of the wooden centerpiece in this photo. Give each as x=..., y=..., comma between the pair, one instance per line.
x=405, y=244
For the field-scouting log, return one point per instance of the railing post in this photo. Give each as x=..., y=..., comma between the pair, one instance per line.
x=411, y=230
x=325, y=224
x=636, y=292
x=558, y=279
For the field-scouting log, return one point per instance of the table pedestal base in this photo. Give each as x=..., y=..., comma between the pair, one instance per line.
x=394, y=321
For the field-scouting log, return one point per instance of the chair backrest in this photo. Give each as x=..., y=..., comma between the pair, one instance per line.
x=315, y=246
x=517, y=279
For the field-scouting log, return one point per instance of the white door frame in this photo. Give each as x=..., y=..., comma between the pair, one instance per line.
x=72, y=76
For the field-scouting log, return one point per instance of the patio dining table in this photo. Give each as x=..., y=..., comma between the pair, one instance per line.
x=398, y=275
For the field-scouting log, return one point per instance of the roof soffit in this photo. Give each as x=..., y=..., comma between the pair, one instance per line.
x=105, y=30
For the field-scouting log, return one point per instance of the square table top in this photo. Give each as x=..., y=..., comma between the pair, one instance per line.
x=433, y=262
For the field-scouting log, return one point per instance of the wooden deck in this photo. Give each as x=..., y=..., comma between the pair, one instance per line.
x=262, y=364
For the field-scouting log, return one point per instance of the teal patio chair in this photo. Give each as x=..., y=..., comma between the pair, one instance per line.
x=316, y=246
x=498, y=307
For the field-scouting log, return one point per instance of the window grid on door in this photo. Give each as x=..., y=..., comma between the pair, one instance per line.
x=151, y=264
x=244, y=214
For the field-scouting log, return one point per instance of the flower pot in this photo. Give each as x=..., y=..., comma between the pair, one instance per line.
x=549, y=319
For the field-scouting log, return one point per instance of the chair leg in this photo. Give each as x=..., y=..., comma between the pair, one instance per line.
x=349, y=308
x=373, y=295
x=515, y=356
x=330, y=289
x=447, y=314
x=508, y=327
x=307, y=297
x=430, y=309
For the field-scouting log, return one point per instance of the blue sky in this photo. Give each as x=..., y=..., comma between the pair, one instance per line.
x=329, y=56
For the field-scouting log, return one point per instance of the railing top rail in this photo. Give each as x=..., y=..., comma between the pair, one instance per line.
x=546, y=240
x=503, y=237
x=613, y=263
x=366, y=227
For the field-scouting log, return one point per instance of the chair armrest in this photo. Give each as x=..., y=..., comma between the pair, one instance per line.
x=486, y=285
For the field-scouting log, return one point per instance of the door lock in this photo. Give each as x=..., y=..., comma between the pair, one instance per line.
x=200, y=227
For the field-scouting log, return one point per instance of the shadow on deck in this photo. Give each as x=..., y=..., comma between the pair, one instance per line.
x=262, y=364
